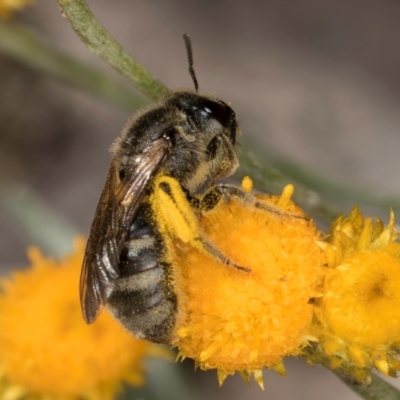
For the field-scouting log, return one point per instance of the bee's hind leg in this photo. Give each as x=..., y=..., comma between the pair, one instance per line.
x=177, y=218
x=226, y=192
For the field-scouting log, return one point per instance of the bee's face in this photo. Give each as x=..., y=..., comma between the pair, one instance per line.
x=204, y=140
x=205, y=112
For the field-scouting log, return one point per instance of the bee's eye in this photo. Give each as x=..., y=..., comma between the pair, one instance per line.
x=222, y=113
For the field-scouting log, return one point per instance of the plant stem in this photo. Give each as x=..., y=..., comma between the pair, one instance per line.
x=100, y=42
x=377, y=390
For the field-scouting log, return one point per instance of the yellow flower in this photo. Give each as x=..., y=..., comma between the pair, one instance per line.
x=8, y=7
x=358, y=322
x=47, y=350
x=232, y=320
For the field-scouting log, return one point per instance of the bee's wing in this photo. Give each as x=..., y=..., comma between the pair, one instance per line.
x=114, y=214
x=100, y=264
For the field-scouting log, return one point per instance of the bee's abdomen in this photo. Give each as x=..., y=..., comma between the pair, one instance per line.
x=143, y=299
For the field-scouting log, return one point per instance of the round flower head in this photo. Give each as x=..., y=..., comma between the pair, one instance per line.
x=47, y=350
x=358, y=318
x=237, y=320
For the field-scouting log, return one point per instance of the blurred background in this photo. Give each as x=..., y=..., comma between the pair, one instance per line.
x=315, y=83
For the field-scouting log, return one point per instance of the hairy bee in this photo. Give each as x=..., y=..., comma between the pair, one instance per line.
x=186, y=140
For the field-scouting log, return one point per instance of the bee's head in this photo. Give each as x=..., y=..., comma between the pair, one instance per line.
x=206, y=130
x=203, y=135
x=202, y=108
x=203, y=112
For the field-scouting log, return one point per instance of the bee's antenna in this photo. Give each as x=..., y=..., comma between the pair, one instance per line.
x=188, y=44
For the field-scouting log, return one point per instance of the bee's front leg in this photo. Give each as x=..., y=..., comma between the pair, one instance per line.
x=227, y=192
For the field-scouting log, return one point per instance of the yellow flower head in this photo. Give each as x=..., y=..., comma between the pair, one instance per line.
x=233, y=320
x=8, y=7
x=359, y=315
x=47, y=350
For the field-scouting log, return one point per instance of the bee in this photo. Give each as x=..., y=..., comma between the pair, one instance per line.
x=171, y=151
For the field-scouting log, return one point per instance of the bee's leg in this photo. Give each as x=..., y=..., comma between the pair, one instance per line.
x=226, y=192
x=220, y=256
x=176, y=218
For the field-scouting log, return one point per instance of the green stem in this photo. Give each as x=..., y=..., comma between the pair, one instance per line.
x=24, y=45
x=377, y=390
x=100, y=42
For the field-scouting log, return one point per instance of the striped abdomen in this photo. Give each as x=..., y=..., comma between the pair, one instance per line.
x=143, y=299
